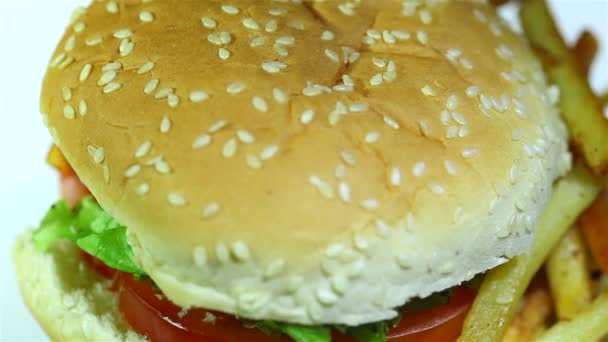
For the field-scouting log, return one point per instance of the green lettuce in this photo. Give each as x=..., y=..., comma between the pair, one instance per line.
x=92, y=229
x=100, y=235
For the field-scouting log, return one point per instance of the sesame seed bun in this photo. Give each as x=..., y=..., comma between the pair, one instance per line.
x=68, y=298
x=312, y=163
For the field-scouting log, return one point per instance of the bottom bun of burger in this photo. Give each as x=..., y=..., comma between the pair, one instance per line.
x=69, y=299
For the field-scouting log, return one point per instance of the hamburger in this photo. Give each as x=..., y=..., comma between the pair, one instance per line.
x=286, y=170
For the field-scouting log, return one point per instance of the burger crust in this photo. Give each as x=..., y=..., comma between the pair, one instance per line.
x=69, y=299
x=255, y=178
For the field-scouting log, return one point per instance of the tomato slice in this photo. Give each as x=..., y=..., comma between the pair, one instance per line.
x=150, y=314
x=72, y=189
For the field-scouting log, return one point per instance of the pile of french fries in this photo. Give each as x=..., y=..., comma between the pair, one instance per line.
x=571, y=245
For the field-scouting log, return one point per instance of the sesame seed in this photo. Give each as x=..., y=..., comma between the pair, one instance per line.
x=372, y=137
x=257, y=41
x=469, y=152
x=231, y=10
x=327, y=35
x=79, y=27
x=147, y=67
x=111, y=87
x=113, y=66
x=143, y=149
x=223, y=255
x=437, y=189
x=208, y=22
x=395, y=176
x=199, y=255
x=162, y=93
x=223, y=54
x=245, y=136
x=142, y=189
x=348, y=158
x=419, y=168
x=307, y=116
x=225, y=37
x=340, y=171
x=172, y=100
x=466, y=63
x=277, y=12
x=160, y=165
x=165, y=124
x=269, y=151
x=97, y=153
x=211, y=209
x=122, y=34
x=274, y=268
x=198, y=96
x=332, y=55
x=424, y=127
x=229, y=149
x=240, y=251
x=93, y=40
x=391, y=122
x=286, y=40
x=450, y=167
x=425, y=17
x=427, y=90
x=253, y=161
x=323, y=187
x=70, y=43
x=296, y=25
x=271, y=26
x=235, y=88
x=126, y=47
x=66, y=93
x=279, y=95
x=66, y=62
x=370, y=204
x=382, y=228
x=201, y=141
x=346, y=9
x=217, y=126
x=151, y=86
x=82, y=107
x=58, y=59
x=376, y=80
x=422, y=37
x=479, y=15
x=106, y=78
x=451, y=132
x=68, y=111
x=176, y=199
x=259, y=104
x=379, y=62
x=112, y=7
x=251, y=24
x=85, y=72
x=146, y=16
x=273, y=67
x=132, y=171
x=344, y=191
x=472, y=91
x=459, y=118
x=106, y=174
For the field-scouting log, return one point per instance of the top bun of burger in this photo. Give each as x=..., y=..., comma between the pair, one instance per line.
x=310, y=162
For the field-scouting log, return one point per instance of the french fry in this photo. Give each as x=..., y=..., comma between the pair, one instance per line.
x=594, y=226
x=568, y=274
x=56, y=159
x=585, y=50
x=580, y=108
x=589, y=325
x=531, y=318
x=497, y=301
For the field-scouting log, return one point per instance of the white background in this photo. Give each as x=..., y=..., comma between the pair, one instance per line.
x=29, y=30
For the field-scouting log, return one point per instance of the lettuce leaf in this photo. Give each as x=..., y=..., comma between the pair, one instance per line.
x=92, y=229
x=299, y=333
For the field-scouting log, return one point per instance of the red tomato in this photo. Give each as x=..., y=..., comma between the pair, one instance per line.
x=152, y=315
x=72, y=190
